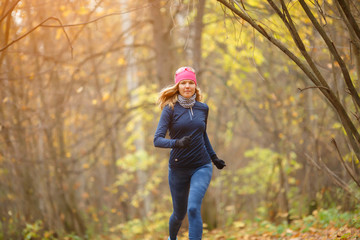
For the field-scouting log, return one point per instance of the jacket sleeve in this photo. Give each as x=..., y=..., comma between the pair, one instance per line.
x=208, y=146
x=163, y=126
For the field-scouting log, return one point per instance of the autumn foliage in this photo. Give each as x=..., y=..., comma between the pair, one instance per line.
x=78, y=87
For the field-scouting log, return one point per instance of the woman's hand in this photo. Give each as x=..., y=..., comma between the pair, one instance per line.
x=183, y=142
x=220, y=164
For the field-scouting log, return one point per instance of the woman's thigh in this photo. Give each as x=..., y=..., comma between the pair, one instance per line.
x=179, y=182
x=200, y=181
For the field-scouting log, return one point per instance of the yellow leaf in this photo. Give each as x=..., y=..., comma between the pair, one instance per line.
x=121, y=61
x=106, y=96
x=59, y=32
x=124, y=196
x=83, y=11
x=10, y=197
x=66, y=13
x=135, y=203
x=95, y=218
x=32, y=75
x=337, y=125
x=48, y=234
x=239, y=224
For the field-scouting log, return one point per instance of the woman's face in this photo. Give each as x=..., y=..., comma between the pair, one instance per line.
x=187, y=88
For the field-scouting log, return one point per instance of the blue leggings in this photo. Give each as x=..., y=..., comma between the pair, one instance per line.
x=187, y=189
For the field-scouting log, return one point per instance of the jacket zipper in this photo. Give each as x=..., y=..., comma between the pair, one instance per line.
x=192, y=113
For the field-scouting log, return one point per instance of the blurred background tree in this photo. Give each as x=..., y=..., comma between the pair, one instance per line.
x=78, y=86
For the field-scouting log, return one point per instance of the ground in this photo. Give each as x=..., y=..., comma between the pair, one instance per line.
x=343, y=233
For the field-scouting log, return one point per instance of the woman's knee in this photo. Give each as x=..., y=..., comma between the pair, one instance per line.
x=193, y=211
x=178, y=217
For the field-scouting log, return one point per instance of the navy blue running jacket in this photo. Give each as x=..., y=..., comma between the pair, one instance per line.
x=182, y=122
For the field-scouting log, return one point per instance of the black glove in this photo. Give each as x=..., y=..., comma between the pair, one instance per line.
x=183, y=142
x=220, y=164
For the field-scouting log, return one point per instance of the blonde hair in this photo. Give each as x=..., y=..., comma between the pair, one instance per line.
x=169, y=96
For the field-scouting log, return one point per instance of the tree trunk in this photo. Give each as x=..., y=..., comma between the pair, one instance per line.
x=132, y=85
x=198, y=26
x=164, y=53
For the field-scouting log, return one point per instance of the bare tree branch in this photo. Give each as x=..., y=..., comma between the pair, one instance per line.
x=39, y=25
x=303, y=89
x=349, y=171
x=277, y=43
x=333, y=51
x=349, y=17
x=354, y=39
x=332, y=176
x=9, y=11
x=88, y=22
x=69, y=25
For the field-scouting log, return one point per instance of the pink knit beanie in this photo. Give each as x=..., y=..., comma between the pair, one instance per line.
x=185, y=73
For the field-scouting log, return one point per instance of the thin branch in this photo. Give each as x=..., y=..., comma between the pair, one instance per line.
x=312, y=161
x=86, y=23
x=332, y=175
x=320, y=10
x=97, y=144
x=108, y=15
x=32, y=30
x=9, y=11
x=337, y=180
x=349, y=171
x=350, y=17
x=303, y=89
x=4, y=5
x=277, y=43
x=352, y=33
x=70, y=25
x=356, y=116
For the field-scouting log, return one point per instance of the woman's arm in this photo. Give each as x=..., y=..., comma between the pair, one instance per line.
x=220, y=164
x=162, y=128
x=208, y=146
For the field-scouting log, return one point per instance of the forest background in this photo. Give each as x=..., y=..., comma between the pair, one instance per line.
x=78, y=87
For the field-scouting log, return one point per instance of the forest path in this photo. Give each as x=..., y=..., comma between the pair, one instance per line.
x=329, y=233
